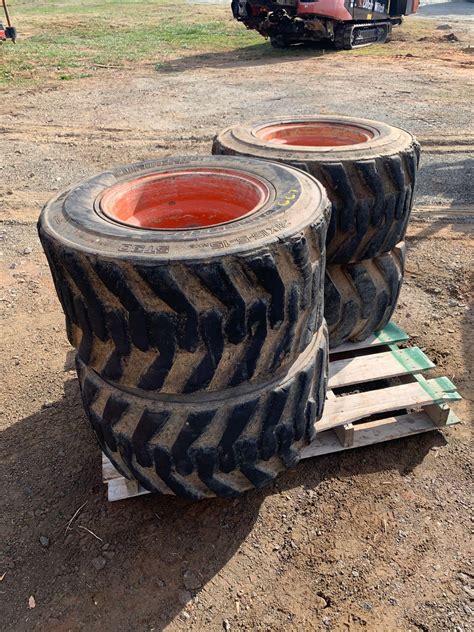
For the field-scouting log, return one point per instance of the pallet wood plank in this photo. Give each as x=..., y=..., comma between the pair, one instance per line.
x=452, y=418
x=438, y=413
x=356, y=406
x=391, y=334
x=108, y=470
x=345, y=435
x=121, y=488
x=360, y=369
x=370, y=433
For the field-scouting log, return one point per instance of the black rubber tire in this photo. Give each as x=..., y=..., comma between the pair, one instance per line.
x=370, y=184
x=190, y=310
x=199, y=446
x=360, y=297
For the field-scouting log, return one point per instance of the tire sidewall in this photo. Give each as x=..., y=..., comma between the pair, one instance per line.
x=242, y=139
x=296, y=200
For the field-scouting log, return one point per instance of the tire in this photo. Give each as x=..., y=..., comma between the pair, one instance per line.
x=360, y=297
x=199, y=446
x=370, y=179
x=180, y=311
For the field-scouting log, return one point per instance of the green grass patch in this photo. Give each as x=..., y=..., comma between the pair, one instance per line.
x=60, y=40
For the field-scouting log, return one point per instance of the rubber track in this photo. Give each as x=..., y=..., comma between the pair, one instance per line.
x=372, y=201
x=343, y=36
x=187, y=327
x=361, y=297
x=209, y=448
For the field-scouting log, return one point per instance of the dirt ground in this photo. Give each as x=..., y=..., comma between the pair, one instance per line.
x=377, y=538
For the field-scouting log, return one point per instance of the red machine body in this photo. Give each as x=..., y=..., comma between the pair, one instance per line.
x=348, y=23
x=326, y=8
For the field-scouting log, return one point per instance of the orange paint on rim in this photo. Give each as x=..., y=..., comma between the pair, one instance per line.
x=311, y=134
x=185, y=199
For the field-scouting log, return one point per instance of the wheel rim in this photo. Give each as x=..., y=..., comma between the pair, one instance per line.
x=314, y=134
x=184, y=200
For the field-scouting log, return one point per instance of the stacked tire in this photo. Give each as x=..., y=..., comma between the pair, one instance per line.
x=193, y=293
x=369, y=171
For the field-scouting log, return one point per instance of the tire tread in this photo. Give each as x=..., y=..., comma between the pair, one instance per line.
x=360, y=297
x=139, y=325
x=199, y=449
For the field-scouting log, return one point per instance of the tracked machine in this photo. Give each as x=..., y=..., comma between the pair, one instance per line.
x=347, y=23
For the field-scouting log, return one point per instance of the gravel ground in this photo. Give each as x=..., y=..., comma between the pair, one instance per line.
x=374, y=539
x=459, y=11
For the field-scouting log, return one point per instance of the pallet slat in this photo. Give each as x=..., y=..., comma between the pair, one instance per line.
x=120, y=488
x=391, y=334
x=109, y=473
x=376, y=366
x=452, y=418
x=345, y=435
x=370, y=433
x=350, y=408
x=335, y=431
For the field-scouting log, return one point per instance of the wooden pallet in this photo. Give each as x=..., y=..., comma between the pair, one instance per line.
x=376, y=394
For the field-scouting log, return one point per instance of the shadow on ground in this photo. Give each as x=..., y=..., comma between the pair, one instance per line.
x=445, y=177
x=155, y=551
x=256, y=55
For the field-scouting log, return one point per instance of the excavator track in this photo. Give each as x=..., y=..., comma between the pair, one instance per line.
x=350, y=36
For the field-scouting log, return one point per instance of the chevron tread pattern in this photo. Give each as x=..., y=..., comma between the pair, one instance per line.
x=182, y=328
x=361, y=297
x=371, y=200
x=203, y=448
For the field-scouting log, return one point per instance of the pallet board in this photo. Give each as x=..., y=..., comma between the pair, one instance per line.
x=119, y=487
x=360, y=369
x=391, y=334
x=371, y=432
x=380, y=380
x=356, y=406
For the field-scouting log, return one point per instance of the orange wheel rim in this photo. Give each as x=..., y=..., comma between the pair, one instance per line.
x=184, y=200
x=314, y=134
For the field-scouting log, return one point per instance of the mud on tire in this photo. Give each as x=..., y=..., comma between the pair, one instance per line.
x=368, y=169
x=188, y=310
x=202, y=445
x=361, y=297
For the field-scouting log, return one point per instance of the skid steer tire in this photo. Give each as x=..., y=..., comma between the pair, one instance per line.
x=368, y=169
x=361, y=297
x=202, y=445
x=180, y=311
